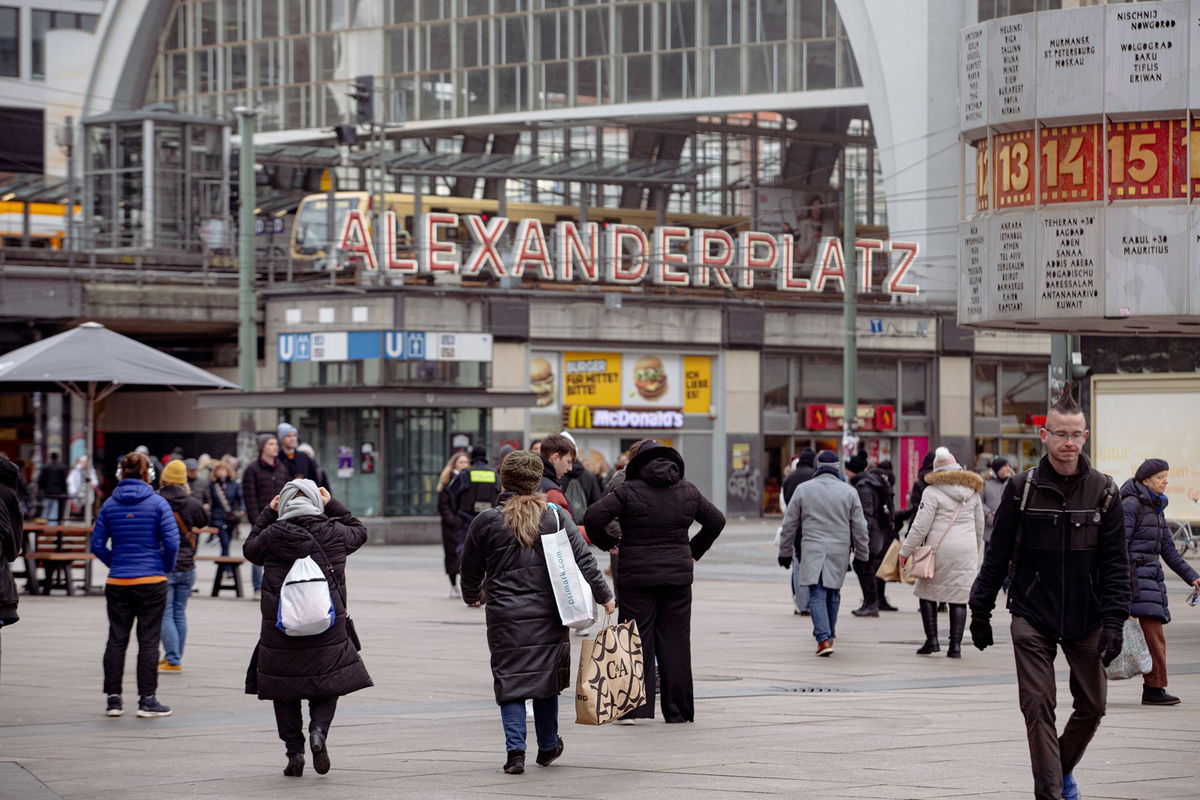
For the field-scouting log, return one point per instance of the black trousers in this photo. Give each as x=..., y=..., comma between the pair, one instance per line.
x=1052, y=755
x=290, y=721
x=452, y=539
x=664, y=618
x=870, y=585
x=145, y=603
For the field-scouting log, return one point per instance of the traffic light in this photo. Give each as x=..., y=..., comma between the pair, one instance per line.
x=363, y=94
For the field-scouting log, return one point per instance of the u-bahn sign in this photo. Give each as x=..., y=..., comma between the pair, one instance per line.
x=620, y=254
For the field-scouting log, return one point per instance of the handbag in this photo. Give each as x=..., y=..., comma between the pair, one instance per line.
x=921, y=565
x=1135, y=656
x=611, y=681
x=572, y=592
x=889, y=568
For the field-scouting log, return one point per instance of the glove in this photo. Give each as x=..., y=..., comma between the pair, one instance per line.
x=981, y=631
x=785, y=561
x=1111, y=642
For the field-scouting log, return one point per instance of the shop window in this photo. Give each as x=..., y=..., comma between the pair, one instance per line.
x=985, y=390
x=1025, y=394
x=820, y=380
x=914, y=383
x=775, y=378
x=876, y=382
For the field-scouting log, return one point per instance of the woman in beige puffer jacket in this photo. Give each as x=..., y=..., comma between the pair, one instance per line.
x=950, y=519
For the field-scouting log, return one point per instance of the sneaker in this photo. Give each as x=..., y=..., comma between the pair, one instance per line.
x=257, y=594
x=454, y=592
x=167, y=666
x=150, y=707
x=544, y=757
x=825, y=648
x=115, y=706
x=1070, y=788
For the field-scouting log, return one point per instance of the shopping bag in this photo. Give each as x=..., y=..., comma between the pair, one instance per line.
x=1135, y=657
x=612, y=675
x=890, y=570
x=572, y=592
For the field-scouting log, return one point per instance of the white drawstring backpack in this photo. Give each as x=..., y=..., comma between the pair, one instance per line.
x=305, y=604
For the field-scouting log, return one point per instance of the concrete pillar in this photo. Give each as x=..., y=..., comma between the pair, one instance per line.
x=955, y=409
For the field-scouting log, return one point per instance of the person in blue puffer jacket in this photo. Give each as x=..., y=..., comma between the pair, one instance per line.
x=1144, y=500
x=144, y=543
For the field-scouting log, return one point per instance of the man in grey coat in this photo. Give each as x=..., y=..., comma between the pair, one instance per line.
x=825, y=516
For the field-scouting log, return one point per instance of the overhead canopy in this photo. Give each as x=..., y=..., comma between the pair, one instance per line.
x=91, y=353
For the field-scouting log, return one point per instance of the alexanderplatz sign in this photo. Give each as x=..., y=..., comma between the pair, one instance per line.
x=1084, y=200
x=619, y=254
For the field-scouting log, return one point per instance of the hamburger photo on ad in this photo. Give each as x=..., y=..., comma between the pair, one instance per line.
x=541, y=381
x=649, y=378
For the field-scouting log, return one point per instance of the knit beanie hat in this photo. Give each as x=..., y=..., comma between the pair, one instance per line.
x=175, y=473
x=857, y=463
x=1149, y=468
x=284, y=429
x=261, y=441
x=521, y=472
x=998, y=464
x=943, y=460
x=827, y=457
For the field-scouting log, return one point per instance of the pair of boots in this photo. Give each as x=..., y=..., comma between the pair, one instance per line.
x=958, y=623
x=874, y=600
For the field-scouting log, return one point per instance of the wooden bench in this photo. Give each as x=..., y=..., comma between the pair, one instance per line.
x=60, y=551
x=230, y=565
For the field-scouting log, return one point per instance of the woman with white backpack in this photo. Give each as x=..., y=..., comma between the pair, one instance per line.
x=504, y=560
x=307, y=648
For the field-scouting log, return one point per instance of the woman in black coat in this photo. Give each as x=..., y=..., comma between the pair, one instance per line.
x=656, y=507
x=262, y=479
x=503, y=561
x=453, y=525
x=303, y=520
x=1144, y=500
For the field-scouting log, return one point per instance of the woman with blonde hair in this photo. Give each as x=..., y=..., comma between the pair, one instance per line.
x=453, y=526
x=529, y=645
x=949, y=520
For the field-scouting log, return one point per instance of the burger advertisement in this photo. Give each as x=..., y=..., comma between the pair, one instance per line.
x=652, y=381
x=542, y=380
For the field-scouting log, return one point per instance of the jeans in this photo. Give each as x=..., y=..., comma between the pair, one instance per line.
x=52, y=509
x=225, y=535
x=289, y=720
x=174, y=624
x=823, y=605
x=545, y=723
x=256, y=577
x=143, y=602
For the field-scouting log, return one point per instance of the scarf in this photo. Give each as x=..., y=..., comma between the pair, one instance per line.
x=1160, y=502
x=300, y=498
x=829, y=469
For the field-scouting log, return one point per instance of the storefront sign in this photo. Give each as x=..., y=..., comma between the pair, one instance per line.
x=587, y=417
x=826, y=417
x=697, y=384
x=393, y=345
x=619, y=254
x=592, y=379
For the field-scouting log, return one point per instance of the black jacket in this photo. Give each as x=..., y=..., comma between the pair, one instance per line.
x=531, y=654
x=475, y=490
x=295, y=667
x=260, y=483
x=1149, y=540
x=875, y=494
x=193, y=515
x=448, y=510
x=52, y=480
x=1072, y=569
x=299, y=465
x=12, y=536
x=916, y=491
x=656, y=507
x=804, y=471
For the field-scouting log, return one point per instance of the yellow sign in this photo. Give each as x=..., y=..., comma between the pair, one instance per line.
x=579, y=417
x=592, y=379
x=697, y=384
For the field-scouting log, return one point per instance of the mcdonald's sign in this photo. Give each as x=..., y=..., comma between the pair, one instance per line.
x=578, y=417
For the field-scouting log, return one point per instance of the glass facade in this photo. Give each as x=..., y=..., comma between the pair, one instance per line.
x=447, y=59
x=43, y=21
x=1010, y=402
x=10, y=42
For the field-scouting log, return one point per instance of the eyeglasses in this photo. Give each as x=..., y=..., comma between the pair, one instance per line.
x=1074, y=436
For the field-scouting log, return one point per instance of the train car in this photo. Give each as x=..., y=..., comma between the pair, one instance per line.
x=47, y=224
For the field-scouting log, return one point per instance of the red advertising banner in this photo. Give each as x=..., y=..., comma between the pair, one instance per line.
x=1014, y=169
x=1140, y=160
x=1070, y=164
x=912, y=453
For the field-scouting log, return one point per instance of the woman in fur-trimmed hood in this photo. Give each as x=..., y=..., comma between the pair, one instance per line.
x=950, y=520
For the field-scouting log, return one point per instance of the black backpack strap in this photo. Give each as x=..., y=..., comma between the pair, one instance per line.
x=1030, y=474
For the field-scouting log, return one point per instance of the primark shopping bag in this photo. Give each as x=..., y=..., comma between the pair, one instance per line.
x=612, y=675
x=572, y=592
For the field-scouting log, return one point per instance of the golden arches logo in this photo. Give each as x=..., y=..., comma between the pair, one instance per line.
x=580, y=417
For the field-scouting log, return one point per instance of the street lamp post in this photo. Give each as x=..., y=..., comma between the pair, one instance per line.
x=247, y=300
x=849, y=324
